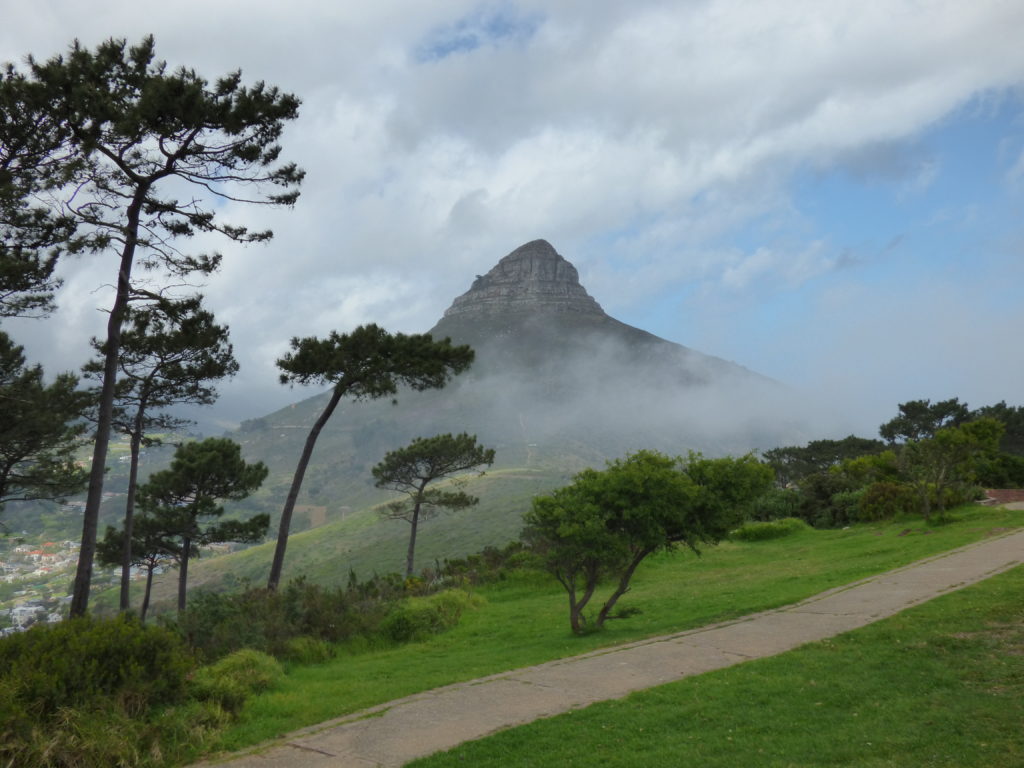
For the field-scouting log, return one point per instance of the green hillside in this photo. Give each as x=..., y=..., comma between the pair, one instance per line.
x=557, y=386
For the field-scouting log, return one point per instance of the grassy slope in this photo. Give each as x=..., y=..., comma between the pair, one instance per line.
x=524, y=621
x=365, y=543
x=939, y=685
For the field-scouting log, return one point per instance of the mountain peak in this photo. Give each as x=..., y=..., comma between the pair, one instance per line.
x=532, y=278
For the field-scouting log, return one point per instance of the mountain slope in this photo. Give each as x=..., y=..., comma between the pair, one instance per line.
x=557, y=386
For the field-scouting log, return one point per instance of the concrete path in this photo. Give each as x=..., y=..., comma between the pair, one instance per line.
x=399, y=731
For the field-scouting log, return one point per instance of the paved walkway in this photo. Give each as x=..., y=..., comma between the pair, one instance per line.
x=399, y=731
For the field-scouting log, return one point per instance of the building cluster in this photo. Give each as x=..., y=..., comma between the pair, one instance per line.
x=28, y=564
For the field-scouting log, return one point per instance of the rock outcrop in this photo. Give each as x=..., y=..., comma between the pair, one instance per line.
x=533, y=278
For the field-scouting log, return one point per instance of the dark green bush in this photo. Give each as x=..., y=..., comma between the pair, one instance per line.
x=489, y=565
x=217, y=624
x=82, y=661
x=83, y=693
x=886, y=500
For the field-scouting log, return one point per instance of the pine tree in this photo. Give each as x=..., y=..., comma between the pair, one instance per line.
x=119, y=134
x=183, y=500
x=424, y=461
x=367, y=363
x=171, y=352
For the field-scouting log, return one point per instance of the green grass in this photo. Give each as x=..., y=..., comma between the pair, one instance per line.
x=939, y=685
x=525, y=622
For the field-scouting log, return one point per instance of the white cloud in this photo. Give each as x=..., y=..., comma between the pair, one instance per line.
x=439, y=136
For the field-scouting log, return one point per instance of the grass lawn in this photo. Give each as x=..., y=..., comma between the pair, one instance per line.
x=938, y=685
x=525, y=621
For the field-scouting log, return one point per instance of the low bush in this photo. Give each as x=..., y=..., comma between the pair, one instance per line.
x=773, y=529
x=83, y=660
x=886, y=500
x=230, y=681
x=419, y=617
x=218, y=624
x=776, y=504
x=254, y=671
x=85, y=693
x=490, y=565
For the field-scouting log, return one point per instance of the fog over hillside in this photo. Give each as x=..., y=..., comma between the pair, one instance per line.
x=556, y=383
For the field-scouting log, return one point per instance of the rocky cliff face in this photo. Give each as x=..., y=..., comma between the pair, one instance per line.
x=533, y=278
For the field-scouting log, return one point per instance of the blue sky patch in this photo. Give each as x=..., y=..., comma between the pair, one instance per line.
x=485, y=26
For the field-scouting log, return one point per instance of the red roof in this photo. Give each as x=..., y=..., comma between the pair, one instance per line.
x=1005, y=495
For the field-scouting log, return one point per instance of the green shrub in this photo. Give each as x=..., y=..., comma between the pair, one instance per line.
x=774, y=529
x=489, y=565
x=230, y=681
x=83, y=693
x=845, y=507
x=308, y=650
x=886, y=500
x=83, y=738
x=254, y=671
x=419, y=617
x=217, y=624
x=85, y=661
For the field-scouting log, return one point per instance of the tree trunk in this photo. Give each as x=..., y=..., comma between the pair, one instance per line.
x=623, y=587
x=129, y=512
x=577, y=620
x=186, y=547
x=91, y=517
x=293, y=493
x=414, y=523
x=145, y=597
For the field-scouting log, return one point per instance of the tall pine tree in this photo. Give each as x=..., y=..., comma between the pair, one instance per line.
x=367, y=363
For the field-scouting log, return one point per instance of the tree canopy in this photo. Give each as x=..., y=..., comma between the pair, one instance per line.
x=791, y=463
x=921, y=419
x=948, y=459
x=367, y=363
x=151, y=547
x=40, y=429
x=425, y=460
x=32, y=160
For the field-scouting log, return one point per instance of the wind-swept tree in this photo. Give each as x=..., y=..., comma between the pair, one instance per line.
x=40, y=429
x=367, y=363
x=171, y=352
x=412, y=468
x=127, y=136
x=921, y=419
x=182, y=500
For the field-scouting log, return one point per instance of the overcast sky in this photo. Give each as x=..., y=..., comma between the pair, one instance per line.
x=828, y=192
